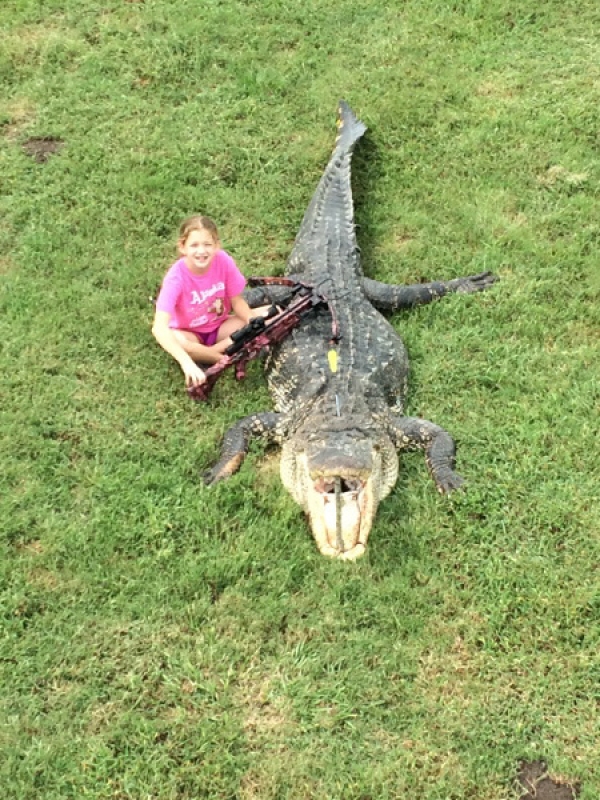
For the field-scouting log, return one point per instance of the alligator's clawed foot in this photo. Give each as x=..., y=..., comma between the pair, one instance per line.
x=476, y=283
x=448, y=482
x=221, y=471
x=209, y=478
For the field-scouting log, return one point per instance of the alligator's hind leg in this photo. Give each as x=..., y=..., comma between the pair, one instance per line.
x=412, y=432
x=236, y=442
x=391, y=297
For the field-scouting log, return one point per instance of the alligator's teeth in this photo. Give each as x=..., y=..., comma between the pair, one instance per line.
x=327, y=486
x=329, y=497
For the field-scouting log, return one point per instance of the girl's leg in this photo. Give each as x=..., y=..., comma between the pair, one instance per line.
x=231, y=325
x=194, y=348
x=234, y=323
x=185, y=338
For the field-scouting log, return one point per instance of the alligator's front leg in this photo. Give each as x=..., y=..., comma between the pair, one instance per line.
x=271, y=294
x=236, y=442
x=391, y=297
x=440, y=450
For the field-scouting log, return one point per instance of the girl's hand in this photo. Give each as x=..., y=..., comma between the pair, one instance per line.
x=194, y=376
x=261, y=311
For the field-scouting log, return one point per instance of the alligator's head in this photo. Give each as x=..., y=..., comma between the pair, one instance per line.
x=339, y=475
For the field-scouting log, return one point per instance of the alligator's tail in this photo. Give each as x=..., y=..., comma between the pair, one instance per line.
x=328, y=224
x=350, y=128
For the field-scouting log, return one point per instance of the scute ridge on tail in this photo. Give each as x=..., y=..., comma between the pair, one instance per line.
x=328, y=223
x=350, y=128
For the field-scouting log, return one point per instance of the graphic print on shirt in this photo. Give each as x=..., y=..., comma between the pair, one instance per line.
x=211, y=308
x=217, y=308
x=197, y=298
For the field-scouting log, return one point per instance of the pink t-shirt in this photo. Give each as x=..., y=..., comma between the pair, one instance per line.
x=200, y=303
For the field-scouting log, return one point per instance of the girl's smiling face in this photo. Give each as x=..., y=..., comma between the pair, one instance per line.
x=198, y=250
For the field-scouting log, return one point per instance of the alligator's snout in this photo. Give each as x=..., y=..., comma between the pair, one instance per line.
x=340, y=488
x=351, y=461
x=342, y=499
x=337, y=506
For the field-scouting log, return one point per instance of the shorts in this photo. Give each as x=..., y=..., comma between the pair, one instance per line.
x=207, y=338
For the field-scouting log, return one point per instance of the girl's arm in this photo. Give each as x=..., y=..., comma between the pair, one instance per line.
x=242, y=310
x=194, y=376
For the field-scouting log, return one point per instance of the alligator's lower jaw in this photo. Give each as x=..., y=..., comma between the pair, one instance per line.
x=344, y=555
x=341, y=525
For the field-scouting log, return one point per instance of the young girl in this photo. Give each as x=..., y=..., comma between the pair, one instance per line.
x=193, y=320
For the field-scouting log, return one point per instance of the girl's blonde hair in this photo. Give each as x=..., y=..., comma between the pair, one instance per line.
x=197, y=223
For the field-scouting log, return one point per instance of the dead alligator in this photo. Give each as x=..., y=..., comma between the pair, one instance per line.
x=339, y=413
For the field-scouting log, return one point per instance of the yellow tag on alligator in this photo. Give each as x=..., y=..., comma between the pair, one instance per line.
x=332, y=358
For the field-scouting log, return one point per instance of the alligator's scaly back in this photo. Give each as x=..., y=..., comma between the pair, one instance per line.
x=327, y=230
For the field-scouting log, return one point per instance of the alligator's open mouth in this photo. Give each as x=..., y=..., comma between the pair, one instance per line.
x=340, y=485
x=347, y=485
x=338, y=509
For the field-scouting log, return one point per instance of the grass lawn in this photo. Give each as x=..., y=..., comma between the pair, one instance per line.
x=165, y=641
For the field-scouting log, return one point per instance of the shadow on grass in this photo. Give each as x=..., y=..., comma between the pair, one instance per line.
x=367, y=170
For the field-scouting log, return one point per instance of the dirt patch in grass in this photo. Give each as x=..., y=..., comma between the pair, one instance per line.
x=43, y=579
x=33, y=546
x=262, y=713
x=538, y=785
x=41, y=148
x=559, y=175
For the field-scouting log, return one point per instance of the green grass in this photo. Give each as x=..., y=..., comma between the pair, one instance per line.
x=163, y=640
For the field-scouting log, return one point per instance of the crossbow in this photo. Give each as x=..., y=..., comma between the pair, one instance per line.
x=261, y=333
